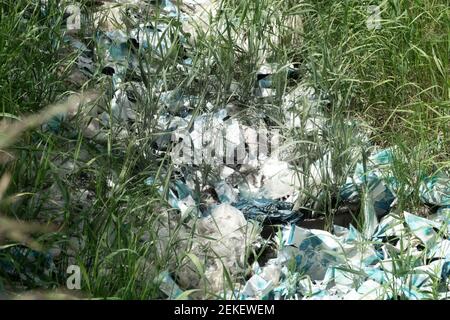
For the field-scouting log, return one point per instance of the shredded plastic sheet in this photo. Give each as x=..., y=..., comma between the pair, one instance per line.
x=315, y=264
x=378, y=179
x=325, y=266
x=24, y=261
x=268, y=211
x=169, y=286
x=220, y=242
x=435, y=190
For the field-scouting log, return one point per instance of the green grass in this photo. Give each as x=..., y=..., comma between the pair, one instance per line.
x=32, y=71
x=393, y=82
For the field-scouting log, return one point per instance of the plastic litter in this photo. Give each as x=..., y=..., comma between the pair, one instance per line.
x=268, y=211
x=220, y=242
x=344, y=265
x=23, y=264
x=168, y=286
x=179, y=197
x=348, y=267
x=436, y=190
x=310, y=264
x=378, y=190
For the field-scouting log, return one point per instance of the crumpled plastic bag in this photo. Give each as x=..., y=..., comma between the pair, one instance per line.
x=379, y=190
x=220, y=242
x=268, y=211
x=350, y=267
x=435, y=190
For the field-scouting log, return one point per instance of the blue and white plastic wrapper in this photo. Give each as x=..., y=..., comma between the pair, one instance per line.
x=257, y=287
x=435, y=190
x=367, y=272
x=380, y=182
x=370, y=217
x=183, y=202
x=168, y=286
x=317, y=250
x=270, y=211
x=422, y=228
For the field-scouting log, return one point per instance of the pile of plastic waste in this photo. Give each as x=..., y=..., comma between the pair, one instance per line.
x=250, y=188
x=406, y=257
x=401, y=256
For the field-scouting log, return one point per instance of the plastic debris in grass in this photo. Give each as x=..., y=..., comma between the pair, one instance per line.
x=168, y=286
x=226, y=193
x=268, y=211
x=266, y=72
x=114, y=50
x=85, y=63
x=347, y=265
x=317, y=250
x=118, y=52
x=370, y=221
x=375, y=179
x=78, y=104
x=261, y=182
x=368, y=290
x=27, y=265
x=435, y=190
x=424, y=229
x=257, y=200
x=280, y=180
x=172, y=10
x=204, y=249
x=350, y=266
x=219, y=243
x=303, y=109
x=154, y=38
x=204, y=140
x=442, y=216
x=382, y=184
x=257, y=287
x=178, y=104
x=179, y=197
